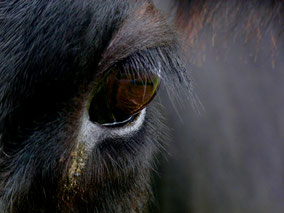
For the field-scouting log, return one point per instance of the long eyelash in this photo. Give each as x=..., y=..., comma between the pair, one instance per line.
x=167, y=63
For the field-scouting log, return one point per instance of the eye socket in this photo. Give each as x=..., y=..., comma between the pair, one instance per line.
x=120, y=95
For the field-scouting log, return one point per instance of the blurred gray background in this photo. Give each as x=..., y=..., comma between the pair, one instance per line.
x=227, y=155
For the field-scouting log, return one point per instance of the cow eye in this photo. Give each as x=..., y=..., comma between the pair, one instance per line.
x=120, y=95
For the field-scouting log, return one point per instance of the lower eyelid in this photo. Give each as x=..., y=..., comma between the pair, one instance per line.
x=131, y=128
x=91, y=133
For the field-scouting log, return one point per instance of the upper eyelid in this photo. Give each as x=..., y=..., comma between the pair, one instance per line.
x=146, y=28
x=143, y=62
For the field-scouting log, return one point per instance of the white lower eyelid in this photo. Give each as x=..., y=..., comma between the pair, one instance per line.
x=91, y=133
x=130, y=129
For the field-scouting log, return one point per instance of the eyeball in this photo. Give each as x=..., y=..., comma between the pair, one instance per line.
x=119, y=96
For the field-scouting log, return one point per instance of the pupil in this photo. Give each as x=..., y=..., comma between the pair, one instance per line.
x=119, y=96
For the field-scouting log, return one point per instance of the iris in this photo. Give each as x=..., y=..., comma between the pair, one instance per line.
x=120, y=95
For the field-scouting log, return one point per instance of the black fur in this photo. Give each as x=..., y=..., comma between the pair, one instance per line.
x=51, y=53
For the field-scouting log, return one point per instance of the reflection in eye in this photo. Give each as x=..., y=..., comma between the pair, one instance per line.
x=119, y=96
